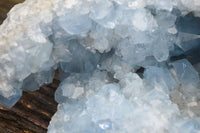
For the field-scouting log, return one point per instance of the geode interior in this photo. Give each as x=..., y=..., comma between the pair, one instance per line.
x=126, y=66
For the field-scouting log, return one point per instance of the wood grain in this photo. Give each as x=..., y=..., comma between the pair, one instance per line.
x=34, y=110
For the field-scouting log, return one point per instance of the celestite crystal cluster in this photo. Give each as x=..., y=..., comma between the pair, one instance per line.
x=116, y=60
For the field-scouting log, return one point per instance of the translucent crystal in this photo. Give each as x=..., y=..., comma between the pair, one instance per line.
x=160, y=77
x=186, y=73
x=116, y=62
x=9, y=97
x=75, y=24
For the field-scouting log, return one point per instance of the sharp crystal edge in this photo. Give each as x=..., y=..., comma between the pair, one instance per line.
x=123, y=63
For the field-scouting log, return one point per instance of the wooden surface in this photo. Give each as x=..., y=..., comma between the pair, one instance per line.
x=34, y=110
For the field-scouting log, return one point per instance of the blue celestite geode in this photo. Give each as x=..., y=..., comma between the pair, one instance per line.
x=126, y=66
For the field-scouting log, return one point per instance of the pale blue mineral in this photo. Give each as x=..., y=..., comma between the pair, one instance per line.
x=126, y=66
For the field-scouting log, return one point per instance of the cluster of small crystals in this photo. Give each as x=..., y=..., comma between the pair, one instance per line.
x=95, y=103
x=98, y=45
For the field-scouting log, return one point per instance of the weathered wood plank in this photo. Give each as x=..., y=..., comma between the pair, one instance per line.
x=32, y=112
